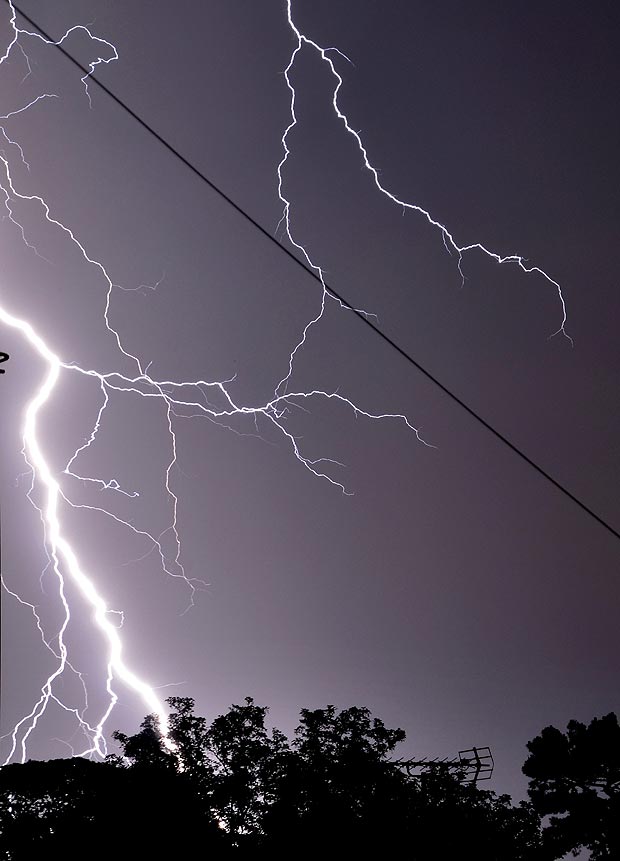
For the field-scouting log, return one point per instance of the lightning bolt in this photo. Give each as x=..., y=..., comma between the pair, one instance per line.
x=50, y=491
x=63, y=559
x=301, y=41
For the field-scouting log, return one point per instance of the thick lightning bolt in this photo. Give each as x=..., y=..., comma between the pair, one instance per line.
x=451, y=245
x=64, y=559
x=50, y=490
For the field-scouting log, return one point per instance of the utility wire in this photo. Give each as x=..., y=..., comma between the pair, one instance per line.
x=314, y=275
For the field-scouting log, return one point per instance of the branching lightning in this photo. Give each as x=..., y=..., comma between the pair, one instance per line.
x=50, y=491
x=449, y=242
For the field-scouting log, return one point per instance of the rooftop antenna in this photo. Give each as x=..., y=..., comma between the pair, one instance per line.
x=470, y=766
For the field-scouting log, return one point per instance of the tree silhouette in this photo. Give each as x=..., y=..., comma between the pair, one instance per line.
x=339, y=785
x=42, y=802
x=236, y=788
x=333, y=790
x=249, y=765
x=575, y=778
x=75, y=808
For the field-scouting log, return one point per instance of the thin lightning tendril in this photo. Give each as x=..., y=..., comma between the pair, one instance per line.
x=50, y=492
x=449, y=242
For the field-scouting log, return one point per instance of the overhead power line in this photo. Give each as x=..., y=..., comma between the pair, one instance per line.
x=365, y=320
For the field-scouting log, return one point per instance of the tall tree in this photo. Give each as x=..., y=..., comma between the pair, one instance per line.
x=339, y=785
x=575, y=780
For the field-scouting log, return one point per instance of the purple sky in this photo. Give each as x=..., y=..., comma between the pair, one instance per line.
x=455, y=593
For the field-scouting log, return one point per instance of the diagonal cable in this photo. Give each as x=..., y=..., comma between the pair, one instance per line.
x=313, y=274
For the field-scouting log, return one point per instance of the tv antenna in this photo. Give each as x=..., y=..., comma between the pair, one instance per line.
x=470, y=766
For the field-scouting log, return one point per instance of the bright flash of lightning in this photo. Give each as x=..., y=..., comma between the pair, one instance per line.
x=178, y=400
x=64, y=557
x=449, y=242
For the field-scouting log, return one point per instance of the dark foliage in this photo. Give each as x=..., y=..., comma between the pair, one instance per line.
x=575, y=779
x=235, y=788
x=74, y=808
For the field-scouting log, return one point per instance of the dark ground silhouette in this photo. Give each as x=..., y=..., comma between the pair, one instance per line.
x=236, y=789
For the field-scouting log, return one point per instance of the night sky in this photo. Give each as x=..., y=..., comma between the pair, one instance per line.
x=455, y=593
